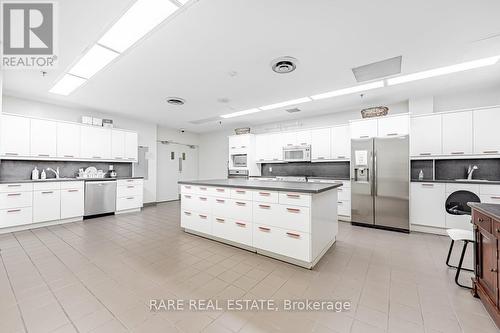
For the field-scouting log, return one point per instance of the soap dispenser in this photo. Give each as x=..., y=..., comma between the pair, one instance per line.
x=34, y=174
x=421, y=175
x=44, y=175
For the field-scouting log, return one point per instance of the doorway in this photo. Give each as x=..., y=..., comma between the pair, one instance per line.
x=175, y=162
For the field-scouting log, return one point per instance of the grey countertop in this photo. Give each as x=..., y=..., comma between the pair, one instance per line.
x=488, y=209
x=10, y=181
x=312, y=188
x=484, y=182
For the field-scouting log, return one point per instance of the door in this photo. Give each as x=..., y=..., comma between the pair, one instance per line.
x=341, y=142
x=393, y=126
x=175, y=163
x=131, y=146
x=15, y=136
x=486, y=136
x=391, y=185
x=457, y=133
x=117, y=144
x=43, y=138
x=362, y=210
x=68, y=140
x=425, y=138
x=321, y=144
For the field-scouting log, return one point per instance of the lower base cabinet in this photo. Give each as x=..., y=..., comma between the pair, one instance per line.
x=129, y=194
x=14, y=217
x=294, y=244
x=232, y=230
x=46, y=205
x=72, y=200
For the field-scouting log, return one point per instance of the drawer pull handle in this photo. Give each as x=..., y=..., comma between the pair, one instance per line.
x=203, y=188
x=13, y=211
x=241, y=191
x=291, y=234
x=13, y=194
x=241, y=203
x=241, y=224
x=14, y=185
x=392, y=134
x=43, y=155
x=490, y=152
x=130, y=198
x=130, y=186
x=12, y=154
x=480, y=220
x=495, y=197
x=187, y=196
x=265, y=206
x=293, y=210
x=47, y=192
x=221, y=190
x=264, y=193
x=494, y=270
x=295, y=196
x=457, y=152
x=364, y=136
x=187, y=213
x=321, y=158
x=69, y=156
x=264, y=229
x=339, y=189
x=339, y=202
x=220, y=220
x=203, y=199
x=340, y=156
x=96, y=156
x=73, y=190
x=424, y=154
x=202, y=216
x=220, y=200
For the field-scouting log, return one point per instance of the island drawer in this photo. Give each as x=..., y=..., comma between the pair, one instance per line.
x=203, y=203
x=265, y=213
x=221, y=207
x=296, y=199
x=241, y=194
x=196, y=221
x=203, y=190
x=232, y=230
x=290, y=243
x=482, y=221
x=222, y=192
x=187, y=188
x=240, y=209
x=266, y=196
x=188, y=201
x=293, y=217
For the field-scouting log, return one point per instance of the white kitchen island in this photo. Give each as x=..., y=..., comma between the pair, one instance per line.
x=293, y=222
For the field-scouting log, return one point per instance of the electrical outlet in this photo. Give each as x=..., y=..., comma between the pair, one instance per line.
x=270, y=169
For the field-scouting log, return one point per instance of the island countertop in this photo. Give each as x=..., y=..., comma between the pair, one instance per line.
x=312, y=188
x=488, y=209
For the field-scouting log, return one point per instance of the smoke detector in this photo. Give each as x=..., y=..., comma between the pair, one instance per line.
x=284, y=65
x=176, y=100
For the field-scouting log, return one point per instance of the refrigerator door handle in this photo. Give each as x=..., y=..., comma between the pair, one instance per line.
x=375, y=176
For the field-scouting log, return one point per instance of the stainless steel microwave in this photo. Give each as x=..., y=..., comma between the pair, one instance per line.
x=297, y=153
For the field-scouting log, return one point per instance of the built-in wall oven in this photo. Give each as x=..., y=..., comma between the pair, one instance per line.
x=297, y=153
x=239, y=160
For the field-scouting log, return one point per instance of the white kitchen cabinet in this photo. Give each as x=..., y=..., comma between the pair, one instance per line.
x=486, y=134
x=43, y=138
x=95, y=143
x=129, y=194
x=321, y=144
x=239, y=142
x=303, y=138
x=131, y=146
x=289, y=138
x=46, y=205
x=425, y=138
x=269, y=147
x=15, y=136
x=261, y=148
x=457, y=133
x=296, y=138
x=118, y=144
x=72, y=199
x=427, y=204
x=362, y=129
x=68, y=140
x=341, y=142
x=393, y=126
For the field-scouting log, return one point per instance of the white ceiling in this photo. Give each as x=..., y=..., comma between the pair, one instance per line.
x=192, y=55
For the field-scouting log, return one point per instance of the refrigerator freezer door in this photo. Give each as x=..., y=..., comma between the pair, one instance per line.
x=362, y=210
x=391, y=182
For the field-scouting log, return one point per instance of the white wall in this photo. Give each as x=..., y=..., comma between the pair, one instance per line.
x=467, y=99
x=146, y=131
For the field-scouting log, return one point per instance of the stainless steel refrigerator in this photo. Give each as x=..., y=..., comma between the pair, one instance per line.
x=380, y=182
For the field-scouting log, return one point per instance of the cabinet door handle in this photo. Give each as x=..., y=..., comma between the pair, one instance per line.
x=43, y=155
x=13, y=194
x=221, y=190
x=392, y=134
x=73, y=190
x=294, y=235
x=293, y=210
x=130, y=198
x=241, y=191
x=425, y=154
x=220, y=200
x=203, y=188
x=363, y=136
x=11, y=154
x=187, y=186
x=265, y=194
x=69, y=156
x=219, y=220
x=494, y=270
x=339, y=202
x=187, y=196
x=202, y=216
x=265, y=206
x=241, y=224
x=428, y=185
x=495, y=197
x=457, y=152
x=264, y=229
x=480, y=220
x=340, y=156
x=13, y=211
x=203, y=199
x=131, y=186
x=490, y=152
x=14, y=185
x=187, y=213
x=241, y=203
x=96, y=156
x=320, y=158
x=295, y=196
x=47, y=192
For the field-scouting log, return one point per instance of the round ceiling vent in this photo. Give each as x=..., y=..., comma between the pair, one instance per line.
x=175, y=100
x=284, y=65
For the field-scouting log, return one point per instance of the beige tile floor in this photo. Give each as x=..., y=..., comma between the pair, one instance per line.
x=99, y=275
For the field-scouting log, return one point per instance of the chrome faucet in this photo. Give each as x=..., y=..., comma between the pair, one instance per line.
x=56, y=171
x=470, y=171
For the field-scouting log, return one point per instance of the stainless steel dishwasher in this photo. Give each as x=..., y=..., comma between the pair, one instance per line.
x=100, y=197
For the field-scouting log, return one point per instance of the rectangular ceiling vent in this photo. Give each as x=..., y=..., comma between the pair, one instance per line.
x=377, y=70
x=204, y=121
x=294, y=110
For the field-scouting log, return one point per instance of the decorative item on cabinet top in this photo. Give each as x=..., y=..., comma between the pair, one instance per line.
x=242, y=130
x=31, y=138
x=377, y=111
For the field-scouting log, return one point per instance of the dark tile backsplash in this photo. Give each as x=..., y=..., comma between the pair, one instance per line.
x=21, y=170
x=338, y=170
x=489, y=169
x=427, y=166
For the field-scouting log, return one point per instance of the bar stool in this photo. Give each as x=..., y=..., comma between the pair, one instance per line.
x=456, y=204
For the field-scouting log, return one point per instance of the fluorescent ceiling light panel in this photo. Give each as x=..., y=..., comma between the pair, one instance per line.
x=240, y=113
x=93, y=61
x=183, y=2
x=140, y=19
x=287, y=103
x=444, y=70
x=351, y=90
x=67, y=84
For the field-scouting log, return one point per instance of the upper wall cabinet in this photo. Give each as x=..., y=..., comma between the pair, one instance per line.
x=269, y=147
x=68, y=143
x=486, y=134
x=321, y=144
x=364, y=129
x=425, y=137
x=131, y=146
x=96, y=143
x=393, y=126
x=118, y=144
x=43, y=138
x=300, y=138
x=15, y=136
x=457, y=133
x=239, y=144
x=341, y=143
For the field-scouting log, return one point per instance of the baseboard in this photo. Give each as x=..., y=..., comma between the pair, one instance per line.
x=149, y=204
x=126, y=211
x=39, y=225
x=427, y=229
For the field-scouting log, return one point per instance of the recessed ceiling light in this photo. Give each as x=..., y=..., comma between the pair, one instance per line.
x=93, y=61
x=444, y=70
x=240, y=113
x=67, y=84
x=286, y=103
x=350, y=90
x=176, y=100
x=141, y=18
